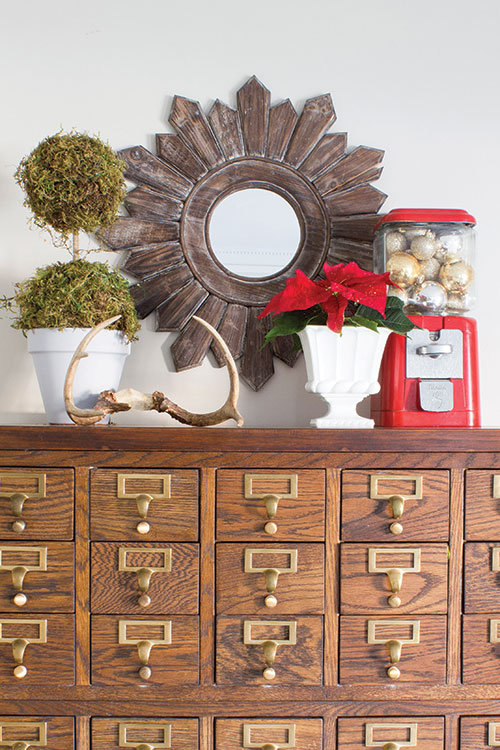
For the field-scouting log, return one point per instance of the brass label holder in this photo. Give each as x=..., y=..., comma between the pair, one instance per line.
x=496, y=487
x=396, y=501
x=143, y=499
x=494, y=634
x=271, y=499
x=165, y=742
x=17, y=499
x=144, y=573
x=39, y=726
x=389, y=744
x=493, y=727
x=270, y=646
x=394, y=645
x=19, y=571
x=271, y=573
x=495, y=559
x=289, y=742
x=144, y=645
x=19, y=643
x=394, y=573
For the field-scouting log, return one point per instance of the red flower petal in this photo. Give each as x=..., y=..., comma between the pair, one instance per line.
x=361, y=286
x=299, y=293
x=335, y=307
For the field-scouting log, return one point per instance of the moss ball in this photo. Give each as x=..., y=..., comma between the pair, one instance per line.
x=73, y=182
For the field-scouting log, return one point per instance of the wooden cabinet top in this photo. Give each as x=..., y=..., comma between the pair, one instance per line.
x=73, y=438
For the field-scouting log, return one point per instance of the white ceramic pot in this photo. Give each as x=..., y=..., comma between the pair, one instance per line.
x=343, y=370
x=52, y=351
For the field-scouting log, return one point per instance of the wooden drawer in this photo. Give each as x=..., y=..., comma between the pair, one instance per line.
x=244, y=643
x=397, y=578
x=481, y=649
x=276, y=579
x=117, y=642
x=481, y=577
x=141, y=577
x=144, y=505
x=366, y=644
x=37, y=577
x=48, y=657
x=240, y=734
x=113, y=734
x=478, y=732
x=36, y=503
x=482, y=505
x=52, y=732
x=268, y=505
x=422, y=732
x=395, y=506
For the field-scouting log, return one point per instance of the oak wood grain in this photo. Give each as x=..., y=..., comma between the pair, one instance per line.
x=115, y=519
x=308, y=732
x=105, y=732
x=240, y=592
x=300, y=519
x=474, y=732
x=170, y=592
x=60, y=731
x=429, y=730
x=482, y=510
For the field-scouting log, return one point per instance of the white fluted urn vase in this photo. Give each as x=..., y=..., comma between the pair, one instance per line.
x=343, y=369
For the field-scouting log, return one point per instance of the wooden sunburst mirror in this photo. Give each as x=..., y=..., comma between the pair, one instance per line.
x=253, y=146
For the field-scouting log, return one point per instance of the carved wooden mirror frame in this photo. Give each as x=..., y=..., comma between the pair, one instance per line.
x=255, y=146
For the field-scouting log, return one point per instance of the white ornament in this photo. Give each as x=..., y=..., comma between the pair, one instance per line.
x=395, y=242
x=429, y=269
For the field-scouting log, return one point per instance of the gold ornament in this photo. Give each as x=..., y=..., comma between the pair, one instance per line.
x=424, y=246
x=395, y=242
x=402, y=294
x=403, y=268
x=429, y=269
x=459, y=303
x=456, y=276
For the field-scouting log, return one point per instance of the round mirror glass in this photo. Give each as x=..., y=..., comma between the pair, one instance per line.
x=254, y=232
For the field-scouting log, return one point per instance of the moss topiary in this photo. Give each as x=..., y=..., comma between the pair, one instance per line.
x=77, y=294
x=73, y=182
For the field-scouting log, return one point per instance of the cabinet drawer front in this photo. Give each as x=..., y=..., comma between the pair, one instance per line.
x=283, y=734
x=422, y=732
x=482, y=505
x=36, y=577
x=268, y=505
x=39, y=647
x=481, y=577
x=144, y=505
x=276, y=579
x=369, y=650
x=394, y=579
x=481, y=649
x=52, y=732
x=154, y=733
x=395, y=506
x=478, y=732
x=145, y=578
x=245, y=650
x=119, y=659
x=36, y=504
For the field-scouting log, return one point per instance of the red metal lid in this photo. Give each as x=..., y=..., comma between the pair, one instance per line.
x=425, y=215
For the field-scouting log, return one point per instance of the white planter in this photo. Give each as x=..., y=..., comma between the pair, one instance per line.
x=52, y=351
x=343, y=370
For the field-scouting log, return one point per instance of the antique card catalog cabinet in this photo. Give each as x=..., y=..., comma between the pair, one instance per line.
x=225, y=589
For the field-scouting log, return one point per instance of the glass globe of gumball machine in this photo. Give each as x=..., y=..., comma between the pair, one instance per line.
x=430, y=378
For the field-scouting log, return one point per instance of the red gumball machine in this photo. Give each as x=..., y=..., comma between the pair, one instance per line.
x=430, y=378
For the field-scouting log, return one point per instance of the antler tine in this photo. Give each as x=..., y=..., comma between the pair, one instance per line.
x=83, y=416
x=229, y=409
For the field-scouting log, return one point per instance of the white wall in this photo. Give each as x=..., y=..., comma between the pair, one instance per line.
x=418, y=79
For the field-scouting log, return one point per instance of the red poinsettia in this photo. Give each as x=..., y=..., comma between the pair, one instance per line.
x=344, y=283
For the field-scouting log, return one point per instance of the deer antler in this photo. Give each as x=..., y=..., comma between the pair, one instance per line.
x=109, y=402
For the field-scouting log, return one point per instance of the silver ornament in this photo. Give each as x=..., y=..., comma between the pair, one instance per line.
x=424, y=246
x=459, y=303
x=456, y=276
x=429, y=269
x=452, y=243
x=403, y=268
x=413, y=232
x=430, y=296
x=395, y=242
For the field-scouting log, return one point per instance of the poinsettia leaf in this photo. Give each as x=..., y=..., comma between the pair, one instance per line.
x=361, y=322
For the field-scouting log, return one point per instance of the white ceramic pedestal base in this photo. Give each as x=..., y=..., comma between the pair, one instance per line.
x=343, y=370
x=52, y=351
